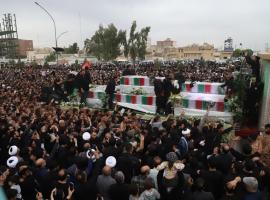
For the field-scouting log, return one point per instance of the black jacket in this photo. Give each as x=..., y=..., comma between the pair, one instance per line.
x=110, y=89
x=255, y=65
x=129, y=165
x=176, y=192
x=158, y=87
x=119, y=191
x=83, y=81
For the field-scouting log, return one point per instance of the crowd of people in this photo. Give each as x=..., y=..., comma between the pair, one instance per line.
x=197, y=70
x=50, y=152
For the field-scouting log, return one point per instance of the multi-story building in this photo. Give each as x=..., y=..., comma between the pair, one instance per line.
x=228, y=45
x=166, y=43
x=167, y=49
x=194, y=51
x=24, y=46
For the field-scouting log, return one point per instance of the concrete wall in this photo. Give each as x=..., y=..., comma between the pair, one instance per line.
x=265, y=107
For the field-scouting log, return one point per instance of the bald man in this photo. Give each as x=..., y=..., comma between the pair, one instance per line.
x=40, y=162
x=104, y=182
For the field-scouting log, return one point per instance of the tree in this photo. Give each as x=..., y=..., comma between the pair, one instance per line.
x=20, y=63
x=249, y=52
x=105, y=43
x=51, y=57
x=135, y=46
x=12, y=62
x=72, y=49
x=131, y=45
x=46, y=64
x=157, y=64
x=237, y=53
x=77, y=65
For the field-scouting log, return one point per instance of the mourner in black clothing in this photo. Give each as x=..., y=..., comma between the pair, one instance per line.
x=160, y=98
x=110, y=90
x=83, y=80
x=52, y=152
x=254, y=62
x=180, y=78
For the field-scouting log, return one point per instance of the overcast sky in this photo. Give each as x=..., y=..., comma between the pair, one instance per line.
x=186, y=21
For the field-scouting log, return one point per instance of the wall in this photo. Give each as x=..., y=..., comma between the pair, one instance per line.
x=265, y=107
x=24, y=46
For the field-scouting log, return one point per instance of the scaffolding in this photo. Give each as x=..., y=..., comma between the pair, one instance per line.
x=228, y=44
x=8, y=37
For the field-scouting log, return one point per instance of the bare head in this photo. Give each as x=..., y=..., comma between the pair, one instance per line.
x=106, y=171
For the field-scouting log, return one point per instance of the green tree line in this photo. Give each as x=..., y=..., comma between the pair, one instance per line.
x=107, y=42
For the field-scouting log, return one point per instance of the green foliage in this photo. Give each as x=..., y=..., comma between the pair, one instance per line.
x=236, y=104
x=136, y=44
x=238, y=52
x=46, y=64
x=72, y=49
x=179, y=64
x=20, y=63
x=157, y=63
x=249, y=52
x=33, y=64
x=11, y=62
x=77, y=64
x=51, y=57
x=105, y=43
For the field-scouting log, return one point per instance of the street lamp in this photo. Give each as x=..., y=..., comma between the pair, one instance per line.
x=53, y=26
x=51, y=19
x=60, y=35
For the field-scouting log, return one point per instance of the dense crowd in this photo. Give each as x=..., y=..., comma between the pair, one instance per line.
x=197, y=70
x=49, y=152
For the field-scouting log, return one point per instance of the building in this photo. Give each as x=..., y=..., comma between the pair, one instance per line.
x=194, y=51
x=10, y=46
x=167, y=50
x=38, y=55
x=166, y=43
x=228, y=45
x=8, y=37
x=223, y=54
x=24, y=46
x=148, y=43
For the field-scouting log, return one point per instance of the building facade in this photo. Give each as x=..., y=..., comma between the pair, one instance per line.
x=38, y=55
x=166, y=43
x=167, y=50
x=228, y=45
x=194, y=51
x=24, y=46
